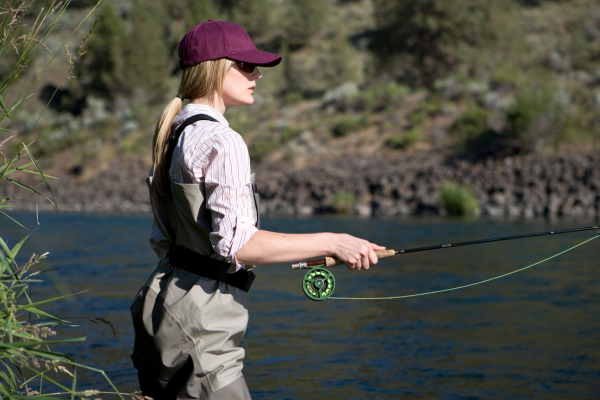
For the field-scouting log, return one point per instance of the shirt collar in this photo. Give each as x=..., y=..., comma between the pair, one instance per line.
x=208, y=110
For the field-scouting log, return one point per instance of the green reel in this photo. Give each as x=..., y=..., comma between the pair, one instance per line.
x=318, y=284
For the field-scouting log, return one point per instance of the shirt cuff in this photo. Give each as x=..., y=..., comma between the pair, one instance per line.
x=244, y=230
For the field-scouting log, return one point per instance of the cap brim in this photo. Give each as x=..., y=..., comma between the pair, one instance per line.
x=258, y=57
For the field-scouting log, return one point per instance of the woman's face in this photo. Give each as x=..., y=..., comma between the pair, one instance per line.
x=238, y=87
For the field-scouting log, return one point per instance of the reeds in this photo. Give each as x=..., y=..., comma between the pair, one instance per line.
x=28, y=365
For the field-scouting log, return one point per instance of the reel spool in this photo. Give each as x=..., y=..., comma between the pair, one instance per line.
x=318, y=284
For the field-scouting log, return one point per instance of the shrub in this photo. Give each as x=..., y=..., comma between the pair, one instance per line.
x=147, y=50
x=342, y=63
x=293, y=97
x=103, y=67
x=426, y=36
x=377, y=98
x=458, y=200
x=405, y=140
x=540, y=117
x=476, y=136
x=256, y=16
x=472, y=123
x=305, y=18
x=290, y=132
x=348, y=124
x=343, y=202
x=261, y=148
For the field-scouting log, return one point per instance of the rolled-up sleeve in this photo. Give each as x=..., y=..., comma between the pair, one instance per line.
x=229, y=194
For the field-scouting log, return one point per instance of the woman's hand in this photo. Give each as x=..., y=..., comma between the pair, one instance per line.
x=355, y=253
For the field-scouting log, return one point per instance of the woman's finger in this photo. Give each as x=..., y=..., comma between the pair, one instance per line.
x=372, y=257
x=358, y=265
x=376, y=246
x=364, y=261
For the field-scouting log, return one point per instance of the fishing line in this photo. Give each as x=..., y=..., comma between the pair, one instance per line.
x=464, y=286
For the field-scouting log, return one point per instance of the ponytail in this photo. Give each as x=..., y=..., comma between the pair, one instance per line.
x=200, y=81
x=160, y=141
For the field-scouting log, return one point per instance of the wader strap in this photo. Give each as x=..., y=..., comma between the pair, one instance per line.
x=174, y=135
x=210, y=268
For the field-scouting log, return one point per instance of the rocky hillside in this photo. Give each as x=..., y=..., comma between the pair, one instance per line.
x=392, y=100
x=522, y=186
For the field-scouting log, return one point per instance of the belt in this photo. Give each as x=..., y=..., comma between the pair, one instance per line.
x=211, y=268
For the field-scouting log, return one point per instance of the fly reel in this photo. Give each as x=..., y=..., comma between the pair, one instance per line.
x=318, y=284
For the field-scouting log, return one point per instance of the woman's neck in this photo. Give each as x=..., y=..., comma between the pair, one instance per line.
x=217, y=103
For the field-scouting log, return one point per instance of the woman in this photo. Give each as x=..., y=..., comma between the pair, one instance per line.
x=191, y=315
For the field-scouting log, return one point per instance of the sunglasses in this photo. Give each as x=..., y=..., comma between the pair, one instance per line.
x=246, y=66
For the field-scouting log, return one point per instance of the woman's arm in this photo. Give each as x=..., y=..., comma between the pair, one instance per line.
x=272, y=248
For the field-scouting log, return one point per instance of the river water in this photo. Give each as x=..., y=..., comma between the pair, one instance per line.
x=535, y=334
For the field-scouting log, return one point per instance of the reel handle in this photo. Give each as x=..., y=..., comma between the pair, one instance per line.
x=332, y=261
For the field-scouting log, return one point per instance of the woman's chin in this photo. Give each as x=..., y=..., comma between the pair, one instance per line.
x=247, y=101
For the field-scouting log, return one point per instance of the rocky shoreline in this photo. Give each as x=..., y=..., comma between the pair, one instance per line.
x=523, y=186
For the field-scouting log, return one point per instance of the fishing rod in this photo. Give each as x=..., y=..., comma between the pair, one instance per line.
x=319, y=283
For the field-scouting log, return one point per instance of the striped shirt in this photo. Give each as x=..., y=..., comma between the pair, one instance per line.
x=214, y=154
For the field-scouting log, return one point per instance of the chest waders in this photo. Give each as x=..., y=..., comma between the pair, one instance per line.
x=191, y=314
x=186, y=223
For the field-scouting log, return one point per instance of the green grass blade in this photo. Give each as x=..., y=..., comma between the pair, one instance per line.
x=3, y=107
x=22, y=185
x=7, y=252
x=10, y=329
x=15, y=106
x=36, y=173
x=8, y=165
x=39, y=303
x=74, y=384
x=14, y=220
x=39, y=170
x=34, y=343
x=15, y=250
x=5, y=262
x=41, y=313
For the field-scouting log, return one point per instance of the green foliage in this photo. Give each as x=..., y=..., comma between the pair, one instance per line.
x=290, y=132
x=477, y=138
x=540, y=117
x=103, y=69
x=261, y=147
x=26, y=335
x=348, y=124
x=305, y=19
x=293, y=97
x=147, y=51
x=343, y=202
x=192, y=12
x=342, y=62
x=28, y=363
x=377, y=98
x=583, y=46
x=425, y=37
x=458, y=200
x=472, y=123
x=257, y=17
x=405, y=140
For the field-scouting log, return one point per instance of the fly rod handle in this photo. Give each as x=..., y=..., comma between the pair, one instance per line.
x=332, y=261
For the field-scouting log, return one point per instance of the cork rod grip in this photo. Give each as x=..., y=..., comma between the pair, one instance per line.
x=331, y=261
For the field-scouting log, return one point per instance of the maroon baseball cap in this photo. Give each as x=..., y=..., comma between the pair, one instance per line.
x=221, y=39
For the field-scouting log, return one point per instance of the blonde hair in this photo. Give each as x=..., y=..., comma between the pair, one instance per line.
x=200, y=81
